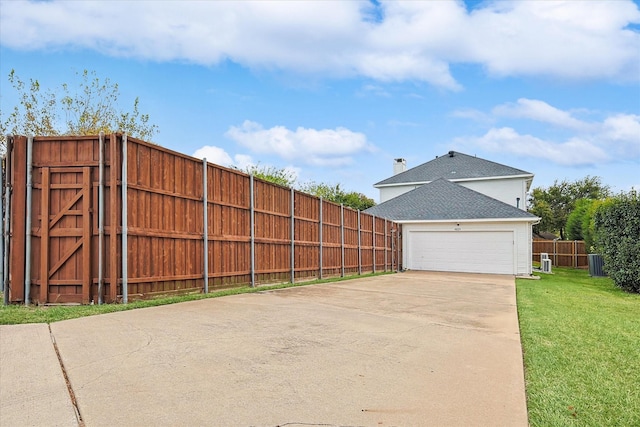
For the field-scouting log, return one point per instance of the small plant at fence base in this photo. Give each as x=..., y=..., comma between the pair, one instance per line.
x=617, y=227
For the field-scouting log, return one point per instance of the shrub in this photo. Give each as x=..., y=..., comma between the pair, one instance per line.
x=617, y=232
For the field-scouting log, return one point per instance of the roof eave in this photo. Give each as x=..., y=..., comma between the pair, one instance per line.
x=484, y=178
x=434, y=221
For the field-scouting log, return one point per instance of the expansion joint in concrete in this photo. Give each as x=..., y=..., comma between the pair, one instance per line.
x=72, y=395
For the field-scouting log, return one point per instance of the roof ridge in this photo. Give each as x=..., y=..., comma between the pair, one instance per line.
x=463, y=165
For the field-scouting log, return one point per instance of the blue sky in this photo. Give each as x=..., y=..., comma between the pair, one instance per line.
x=336, y=90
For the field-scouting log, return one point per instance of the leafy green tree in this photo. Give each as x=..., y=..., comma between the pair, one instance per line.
x=336, y=194
x=332, y=193
x=588, y=226
x=577, y=219
x=283, y=177
x=580, y=224
x=542, y=210
x=555, y=203
x=85, y=108
x=617, y=231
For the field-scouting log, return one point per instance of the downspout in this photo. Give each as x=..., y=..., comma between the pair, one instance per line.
x=125, y=272
x=101, y=222
x=27, y=246
x=536, y=222
x=206, y=225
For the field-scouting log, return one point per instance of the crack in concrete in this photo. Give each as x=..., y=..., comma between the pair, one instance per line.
x=72, y=395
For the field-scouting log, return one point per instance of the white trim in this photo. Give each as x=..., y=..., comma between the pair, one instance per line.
x=486, y=178
x=484, y=220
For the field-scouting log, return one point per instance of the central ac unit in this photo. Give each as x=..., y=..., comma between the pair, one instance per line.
x=546, y=265
x=543, y=256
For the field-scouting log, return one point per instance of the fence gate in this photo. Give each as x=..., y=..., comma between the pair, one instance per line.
x=65, y=235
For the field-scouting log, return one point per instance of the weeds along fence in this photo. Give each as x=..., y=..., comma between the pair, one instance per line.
x=111, y=218
x=563, y=253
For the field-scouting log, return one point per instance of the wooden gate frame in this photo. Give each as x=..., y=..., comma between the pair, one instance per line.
x=47, y=229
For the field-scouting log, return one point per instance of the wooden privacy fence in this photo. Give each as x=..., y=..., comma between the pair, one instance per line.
x=108, y=218
x=563, y=253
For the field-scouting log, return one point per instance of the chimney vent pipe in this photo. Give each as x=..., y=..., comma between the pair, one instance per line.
x=399, y=166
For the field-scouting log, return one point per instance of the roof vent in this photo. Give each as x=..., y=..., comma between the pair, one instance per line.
x=451, y=153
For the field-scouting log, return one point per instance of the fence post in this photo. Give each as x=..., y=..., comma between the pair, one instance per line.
x=27, y=268
x=100, y=219
x=6, y=216
x=252, y=233
x=2, y=266
x=342, y=239
x=125, y=271
x=385, y=244
x=206, y=225
x=293, y=232
x=373, y=241
x=113, y=217
x=359, y=247
x=393, y=243
x=555, y=253
x=320, y=275
x=575, y=254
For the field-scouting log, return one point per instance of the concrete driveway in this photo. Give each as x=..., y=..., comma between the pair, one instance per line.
x=412, y=348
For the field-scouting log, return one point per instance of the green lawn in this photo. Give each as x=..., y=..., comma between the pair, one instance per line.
x=581, y=345
x=17, y=314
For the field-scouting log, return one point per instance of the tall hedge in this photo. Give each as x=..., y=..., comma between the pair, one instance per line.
x=617, y=232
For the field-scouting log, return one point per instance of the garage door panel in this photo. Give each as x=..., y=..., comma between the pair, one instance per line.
x=471, y=251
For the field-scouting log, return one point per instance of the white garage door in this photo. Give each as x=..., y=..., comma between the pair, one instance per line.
x=461, y=251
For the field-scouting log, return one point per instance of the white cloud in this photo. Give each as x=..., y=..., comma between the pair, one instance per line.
x=219, y=156
x=565, y=39
x=413, y=41
x=540, y=111
x=325, y=147
x=623, y=133
x=243, y=162
x=572, y=152
x=213, y=154
x=614, y=137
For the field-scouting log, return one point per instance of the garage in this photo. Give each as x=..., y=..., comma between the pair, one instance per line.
x=448, y=227
x=461, y=251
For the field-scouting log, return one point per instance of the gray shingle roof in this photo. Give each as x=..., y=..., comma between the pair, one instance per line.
x=443, y=200
x=460, y=166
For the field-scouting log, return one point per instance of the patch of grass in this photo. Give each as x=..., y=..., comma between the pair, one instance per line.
x=581, y=345
x=18, y=314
